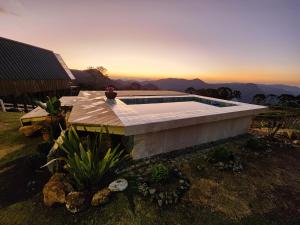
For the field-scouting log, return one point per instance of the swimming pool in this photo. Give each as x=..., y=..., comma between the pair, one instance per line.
x=161, y=124
x=159, y=100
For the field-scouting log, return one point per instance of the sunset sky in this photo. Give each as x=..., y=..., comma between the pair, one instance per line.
x=225, y=40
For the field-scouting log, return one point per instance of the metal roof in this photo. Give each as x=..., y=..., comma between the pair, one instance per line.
x=20, y=61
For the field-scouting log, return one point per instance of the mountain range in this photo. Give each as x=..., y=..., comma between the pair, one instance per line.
x=92, y=79
x=248, y=90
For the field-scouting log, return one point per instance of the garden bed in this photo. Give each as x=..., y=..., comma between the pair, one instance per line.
x=266, y=191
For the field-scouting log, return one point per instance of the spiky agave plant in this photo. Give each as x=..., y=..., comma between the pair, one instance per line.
x=88, y=162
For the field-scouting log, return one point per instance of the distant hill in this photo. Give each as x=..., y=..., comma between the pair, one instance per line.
x=93, y=79
x=177, y=84
x=248, y=90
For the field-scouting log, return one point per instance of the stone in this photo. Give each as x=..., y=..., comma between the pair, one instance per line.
x=269, y=150
x=152, y=191
x=296, y=142
x=29, y=130
x=101, y=197
x=161, y=195
x=118, y=185
x=56, y=189
x=220, y=164
x=160, y=202
x=200, y=168
x=76, y=202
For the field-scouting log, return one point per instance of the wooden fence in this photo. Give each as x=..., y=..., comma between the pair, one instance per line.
x=11, y=106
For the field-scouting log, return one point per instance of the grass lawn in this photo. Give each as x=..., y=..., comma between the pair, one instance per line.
x=267, y=191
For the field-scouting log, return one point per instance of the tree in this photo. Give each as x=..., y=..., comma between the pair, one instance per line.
x=190, y=90
x=259, y=99
x=271, y=99
x=237, y=94
x=225, y=93
x=286, y=99
x=102, y=70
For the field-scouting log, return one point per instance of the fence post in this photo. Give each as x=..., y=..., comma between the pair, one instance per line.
x=2, y=105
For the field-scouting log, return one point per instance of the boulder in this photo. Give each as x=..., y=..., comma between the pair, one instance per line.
x=118, y=185
x=76, y=202
x=29, y=130
x=56, y=189
x=296, y=142
x=101, y=197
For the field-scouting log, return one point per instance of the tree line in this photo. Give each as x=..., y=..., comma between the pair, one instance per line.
x=227, y=93
x=277, y=100
x=222, y=92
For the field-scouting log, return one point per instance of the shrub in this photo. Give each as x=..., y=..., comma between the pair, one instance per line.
x=292, y=134
x=45, y=147
x=256, y=144
x=159, y=173
x=87, y=161
x=221, y=154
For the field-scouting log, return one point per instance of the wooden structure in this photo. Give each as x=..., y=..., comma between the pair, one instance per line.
x=28, y=72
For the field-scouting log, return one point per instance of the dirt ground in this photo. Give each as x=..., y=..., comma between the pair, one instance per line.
x=266, y=191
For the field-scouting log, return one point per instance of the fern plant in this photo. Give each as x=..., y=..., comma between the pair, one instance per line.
x=87, y=161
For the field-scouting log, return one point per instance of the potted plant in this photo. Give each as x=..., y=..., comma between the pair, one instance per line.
x=53, y=108
x=110, y=92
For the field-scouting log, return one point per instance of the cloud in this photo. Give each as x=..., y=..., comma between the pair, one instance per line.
x=10, y=8
x=3, y=11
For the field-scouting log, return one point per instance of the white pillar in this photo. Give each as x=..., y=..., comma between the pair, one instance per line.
x=2, y=105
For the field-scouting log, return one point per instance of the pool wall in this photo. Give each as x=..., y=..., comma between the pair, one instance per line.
x=149, y=144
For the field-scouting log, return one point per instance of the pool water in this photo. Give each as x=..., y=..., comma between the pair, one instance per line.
x=139, y=101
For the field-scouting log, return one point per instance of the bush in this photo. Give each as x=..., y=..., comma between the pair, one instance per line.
x=221, y=154
x=36, y=160
x=87, y=161
x=159, y=173
x=256, y=144
x=45, y=147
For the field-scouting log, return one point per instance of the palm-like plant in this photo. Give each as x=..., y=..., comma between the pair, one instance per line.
x=52, y=106
x=88, y=162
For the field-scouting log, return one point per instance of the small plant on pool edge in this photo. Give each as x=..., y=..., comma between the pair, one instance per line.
x=159, y=173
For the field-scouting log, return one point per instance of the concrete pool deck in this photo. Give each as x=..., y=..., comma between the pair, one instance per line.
x=163, y=127
x=156, y=127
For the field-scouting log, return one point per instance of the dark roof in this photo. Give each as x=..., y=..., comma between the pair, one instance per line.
x=20, y=61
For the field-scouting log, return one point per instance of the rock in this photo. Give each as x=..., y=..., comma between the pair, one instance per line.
x=152, y=191
x=160, y=202
x=200, y=168
x=296, y=142
x=31, y=186
x=269, y=150
x=29, y=130
x=161, y=195
x=118, y=185
x=101, y=197
x=220, y=164
x=56, y=189
x=76, y=202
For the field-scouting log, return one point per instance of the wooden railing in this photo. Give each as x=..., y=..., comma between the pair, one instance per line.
x=20, y=107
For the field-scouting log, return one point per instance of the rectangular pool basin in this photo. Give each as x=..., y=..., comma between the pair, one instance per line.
x=161, y=124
